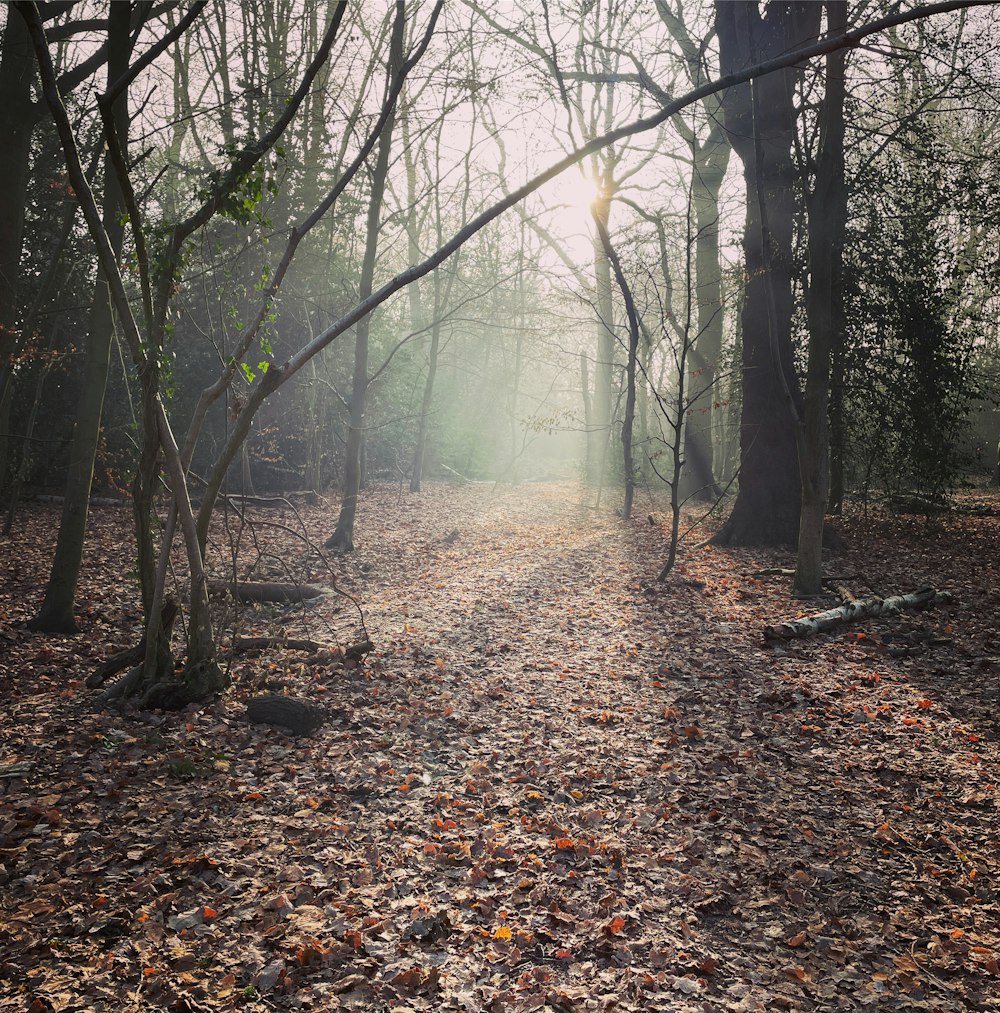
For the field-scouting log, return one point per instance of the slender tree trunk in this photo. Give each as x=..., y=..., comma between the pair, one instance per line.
x=342, y=539
x=17, y=120
x=415, y=292
x=24, y=464
x=588, y=409
x=515, y=380
x=603, y=396
x=426, y=403
x=628, y=460
x=825, y=308
x=56, y=613
x=766, y=510
x=837, y=426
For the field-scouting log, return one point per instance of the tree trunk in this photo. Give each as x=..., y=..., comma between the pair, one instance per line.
x=827, y=206
x=56, y=613
x=837, y=424
x=766, y=511
x=633, y=352
x=700, y=481
x=342, y=539
x=17, y=120
x=426, y=403
x=600, y=424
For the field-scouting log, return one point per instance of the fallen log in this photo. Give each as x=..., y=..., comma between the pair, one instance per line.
x=851, y=611
x=288, y=499
x=243, y=644
x=299, y=716
x=265, y=591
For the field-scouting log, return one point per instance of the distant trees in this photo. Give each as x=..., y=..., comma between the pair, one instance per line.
x=252, y=228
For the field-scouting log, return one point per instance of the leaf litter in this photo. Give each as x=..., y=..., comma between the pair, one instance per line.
x=554, y=785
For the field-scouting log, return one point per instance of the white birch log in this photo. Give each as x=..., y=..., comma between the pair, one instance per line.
x=809, y=626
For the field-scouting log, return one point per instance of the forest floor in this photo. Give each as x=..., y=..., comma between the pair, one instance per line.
x=554, y=785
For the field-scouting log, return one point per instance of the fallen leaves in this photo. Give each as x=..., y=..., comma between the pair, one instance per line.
x=537, y=794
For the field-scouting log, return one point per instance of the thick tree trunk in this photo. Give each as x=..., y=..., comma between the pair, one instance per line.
x=56, y=614
x=766, y=511
x=17, y=120
x=700, y=480
x=827, y=206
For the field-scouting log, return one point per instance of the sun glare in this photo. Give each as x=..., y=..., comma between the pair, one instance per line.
x=569, y=200
x=575, y=191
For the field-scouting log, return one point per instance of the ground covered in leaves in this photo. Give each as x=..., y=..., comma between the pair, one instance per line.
x=554, y=785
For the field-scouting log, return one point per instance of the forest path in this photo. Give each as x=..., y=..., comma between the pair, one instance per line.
x=554, y=785
x=736, y=820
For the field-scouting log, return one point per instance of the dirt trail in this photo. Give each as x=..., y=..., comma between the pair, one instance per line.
x=553, y=786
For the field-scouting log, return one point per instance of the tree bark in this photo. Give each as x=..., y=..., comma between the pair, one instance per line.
x=628, y=460
x=17, y=120
x=711, y=160
x=342, y=539
x=766, y=511
x=827, y=206
x=56, y=613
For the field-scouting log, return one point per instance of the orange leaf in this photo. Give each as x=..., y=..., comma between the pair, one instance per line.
x=502, y=933
x=924, y=704
x=797, y=940
x=208, y=913
x=616, y=924
x=957, y=933
x=564, y=842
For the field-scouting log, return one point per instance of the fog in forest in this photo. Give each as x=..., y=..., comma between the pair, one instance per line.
x=309, y=248
x=499, y=505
